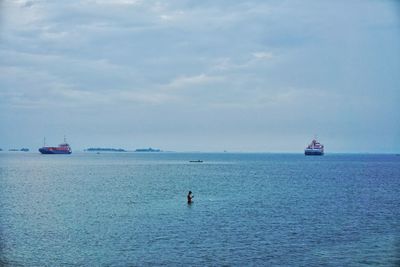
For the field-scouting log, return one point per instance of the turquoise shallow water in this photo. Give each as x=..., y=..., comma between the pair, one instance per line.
x=129, y=209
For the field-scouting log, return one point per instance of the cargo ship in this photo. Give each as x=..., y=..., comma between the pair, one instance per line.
x=314, y=149
x=63, y=148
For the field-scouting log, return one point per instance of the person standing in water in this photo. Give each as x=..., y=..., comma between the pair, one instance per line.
x=190, y=197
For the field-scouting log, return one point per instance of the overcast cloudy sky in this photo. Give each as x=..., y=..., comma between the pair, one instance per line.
x=201, y=75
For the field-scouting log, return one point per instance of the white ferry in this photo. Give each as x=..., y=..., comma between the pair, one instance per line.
x=314, y=149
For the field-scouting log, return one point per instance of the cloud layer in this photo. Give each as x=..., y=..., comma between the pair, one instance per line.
x=249, y=75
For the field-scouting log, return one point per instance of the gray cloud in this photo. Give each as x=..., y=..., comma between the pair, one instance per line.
x=244, y=72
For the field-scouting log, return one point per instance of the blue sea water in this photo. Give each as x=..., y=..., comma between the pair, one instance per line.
x=129, y=209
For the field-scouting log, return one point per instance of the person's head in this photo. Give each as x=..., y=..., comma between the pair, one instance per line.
x=190, y=192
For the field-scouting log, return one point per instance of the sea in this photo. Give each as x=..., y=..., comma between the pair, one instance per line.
x=249, y=209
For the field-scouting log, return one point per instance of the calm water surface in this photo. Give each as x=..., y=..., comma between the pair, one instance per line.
x=129, y=209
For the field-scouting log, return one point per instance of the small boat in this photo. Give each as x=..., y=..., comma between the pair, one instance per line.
x=196, y=161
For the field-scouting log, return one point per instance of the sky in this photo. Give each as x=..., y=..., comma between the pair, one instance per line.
x=182, y=75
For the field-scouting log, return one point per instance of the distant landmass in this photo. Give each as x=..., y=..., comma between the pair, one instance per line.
x=16, y=149
x=110, y=149
x=104, y=149
x=147, y=150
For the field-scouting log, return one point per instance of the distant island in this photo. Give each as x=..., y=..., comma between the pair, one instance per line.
x=104, y=149
x=147, y=150
x=109, y=149
x=16, y=149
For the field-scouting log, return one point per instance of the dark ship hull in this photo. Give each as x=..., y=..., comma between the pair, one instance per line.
x=54, y=150
x=309, y=152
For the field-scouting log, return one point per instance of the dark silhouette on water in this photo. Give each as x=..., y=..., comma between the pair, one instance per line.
x=190, y=197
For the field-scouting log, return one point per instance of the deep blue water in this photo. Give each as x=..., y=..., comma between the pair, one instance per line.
x=129, y=209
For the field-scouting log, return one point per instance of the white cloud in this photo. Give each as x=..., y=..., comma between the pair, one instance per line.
x=263, y=55
x=185, y=82
x=115, y=2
